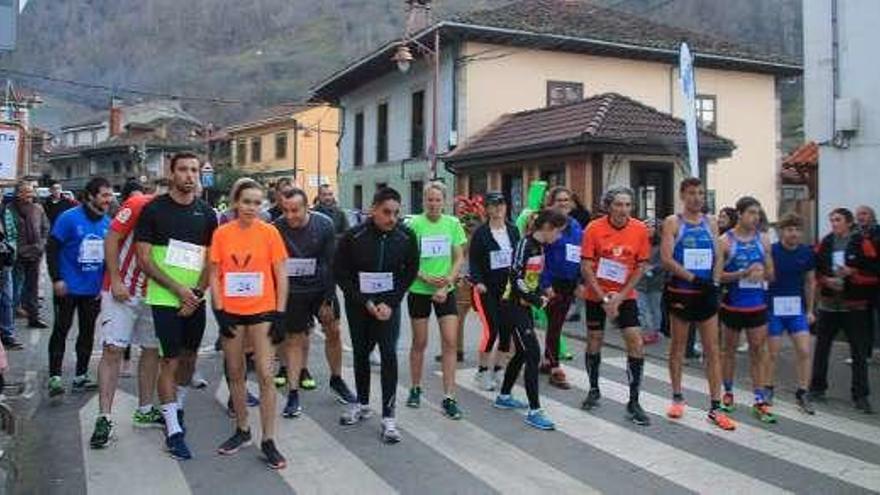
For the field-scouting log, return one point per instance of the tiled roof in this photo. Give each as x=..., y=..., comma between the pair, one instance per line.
x=606, y=121
x=271, y=115
x=806, y=155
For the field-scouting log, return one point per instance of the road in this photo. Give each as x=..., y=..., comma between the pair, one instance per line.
x=835, y=451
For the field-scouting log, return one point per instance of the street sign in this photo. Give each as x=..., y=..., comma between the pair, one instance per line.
x=207, y=175
x=8, y=19
x=10, y=151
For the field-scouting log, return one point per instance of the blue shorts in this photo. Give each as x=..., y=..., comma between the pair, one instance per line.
x=791, y=324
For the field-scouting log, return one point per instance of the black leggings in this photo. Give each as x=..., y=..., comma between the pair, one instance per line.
x=366, y=332
x=87, y=307
x=857, y=327
x=528, y=351
x=494, y=328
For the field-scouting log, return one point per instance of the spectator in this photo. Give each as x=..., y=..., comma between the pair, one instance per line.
x=327, y=205
x=8, y=241
x=650, y=290
x=57, y=203
x=727, y=218
x=32, y=226
x=867, y=222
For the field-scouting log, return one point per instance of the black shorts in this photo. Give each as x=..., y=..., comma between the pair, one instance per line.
x=303, y=309
x=420, y=306
x=246, y=320
x=177, y=333
x=738, y=320
x=692, y=307
x=628, y=315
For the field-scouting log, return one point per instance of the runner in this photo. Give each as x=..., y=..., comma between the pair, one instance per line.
x=375, y=264
x=125, y=320
x=791, y=303
x=75, y=255
x=491, y=253
x=523, y=292
x=172, y=237
x=249, y=294
x=616, y=249
x=310, y=243
x=747, y=269
x=441, y=238
x=690, y=252
x=560, y=280
x=282, y=185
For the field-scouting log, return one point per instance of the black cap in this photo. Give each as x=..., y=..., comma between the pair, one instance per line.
x=495, y=198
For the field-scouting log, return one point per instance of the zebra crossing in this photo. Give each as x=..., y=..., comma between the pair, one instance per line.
x=492, y=451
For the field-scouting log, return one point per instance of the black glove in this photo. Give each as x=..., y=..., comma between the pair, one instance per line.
x=277, y=332
x=224, y=324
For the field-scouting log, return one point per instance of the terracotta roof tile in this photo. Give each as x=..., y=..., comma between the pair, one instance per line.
x=806, y=155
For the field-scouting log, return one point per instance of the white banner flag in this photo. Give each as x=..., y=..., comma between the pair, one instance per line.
x=689, y=93
x=10, y=151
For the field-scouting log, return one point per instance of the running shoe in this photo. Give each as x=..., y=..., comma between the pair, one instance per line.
x=676, y=409
x=636, y=414
x=742, y=348
x=198, y=381
x=721, y=420
x=234, y=443
x=768, y=396
x=83, y=383
x=762, y=411
x=728, y=405
x=592, y=399
x=306, y=382
x=487, y=381
x=281, y=377
x=341, y=391
x=862, y=404
x=103, y=432
x=274, y=459
x=451, y=409
x=415, y=398
x=252, y=400
x=509, y=402
x=390, y=433
x=150, y=419
x=176, y=445
x=558, y=380
x=355, y=414
x=55, y=386
x=539, y=419
x=805, y=404
x=566, y=356
x=292, y=409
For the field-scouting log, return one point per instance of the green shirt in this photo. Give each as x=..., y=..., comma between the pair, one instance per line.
x=436, y=243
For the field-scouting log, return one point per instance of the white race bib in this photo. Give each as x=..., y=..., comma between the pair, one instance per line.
x=612, y=270
x=838, y=259
x=697, y=259
x=787, y=306
x=376, y=282
x=572, y=253
x=91, y=251
x=244, y=284
x=745, y=283
x=301, y=267
x=500, y=259
x=435, y=246
x=185, y=255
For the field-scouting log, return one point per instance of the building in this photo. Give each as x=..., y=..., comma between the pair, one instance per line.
x=293, y=140
x=536, y=53
x=842, y=113
x=16, y=106
x=799, y=185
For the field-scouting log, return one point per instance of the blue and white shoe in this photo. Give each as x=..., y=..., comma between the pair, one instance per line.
x=252, y=400
x=538, y=419
x=509, y=402
x=176, y=446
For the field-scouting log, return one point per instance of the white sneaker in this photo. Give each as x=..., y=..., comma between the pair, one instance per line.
x=390, y=433
x=486, y=380
x=698, y=347
x=744, y=347
x=355, y=414
x=198, y=381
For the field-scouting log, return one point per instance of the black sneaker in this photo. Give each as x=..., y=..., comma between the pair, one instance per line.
x=11, y=344
x=805, y=404
x=274, y=459
x=592, y=400
x=292, y=409
x=636, y=414
x=341, y=390
x=863, y=405
x=40, y=324
x=102, y=433
x=238, y=440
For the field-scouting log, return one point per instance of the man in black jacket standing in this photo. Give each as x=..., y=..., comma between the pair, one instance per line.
x=327, y=205
x=56, y=203
x=375, y=264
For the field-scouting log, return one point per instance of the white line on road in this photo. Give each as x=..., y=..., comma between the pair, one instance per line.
x=676, y=465
x=30, y=384
x=34, y=338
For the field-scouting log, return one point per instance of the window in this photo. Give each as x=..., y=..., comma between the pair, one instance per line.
x=240, y=151
x=94, y=137
x=706, y=112
x=359, y=139
x=416, y=196
x=417, y=126
x=117, y=168
x=68, y=171
x=382, y=133
x=75, y=138
x=358, y=199
x=479, y=183
x=256, y=150
x=281, y=145
x=560, y=93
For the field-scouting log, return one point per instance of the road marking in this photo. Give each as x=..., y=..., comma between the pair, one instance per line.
x=134, y=462
x=830, y=463
x=322, y=465
x=676, y=465
x=34, y=338
x=30, y=384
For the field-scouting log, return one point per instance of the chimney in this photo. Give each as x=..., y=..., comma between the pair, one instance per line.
x=418, y=16
x=115, y=116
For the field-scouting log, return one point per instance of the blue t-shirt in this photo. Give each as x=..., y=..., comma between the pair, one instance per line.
x=791, y=267
x=81, y=253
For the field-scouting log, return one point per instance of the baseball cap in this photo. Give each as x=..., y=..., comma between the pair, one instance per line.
x=495, y=198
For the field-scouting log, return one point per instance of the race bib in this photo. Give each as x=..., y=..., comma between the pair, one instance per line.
x=787, y=306
x=572, y=253
x=500, y=259
x=301, y=267
x=697, y=259
x=244, y=284
x=185, y=255
x=435, y=246
x=91, y=251
x=376, y=282
x=838, y=259
x=745, y=283
x=612, y=270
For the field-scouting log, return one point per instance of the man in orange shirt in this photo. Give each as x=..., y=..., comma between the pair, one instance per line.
x=615, y=251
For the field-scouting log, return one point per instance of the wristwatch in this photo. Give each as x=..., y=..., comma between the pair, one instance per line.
x=607, y=299
x=199, y=293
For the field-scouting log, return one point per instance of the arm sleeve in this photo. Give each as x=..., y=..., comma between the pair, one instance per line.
x=344, y=274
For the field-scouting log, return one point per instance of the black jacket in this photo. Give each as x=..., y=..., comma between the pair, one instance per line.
x=482, y=244
x=525, y=273
x=365, y=248
x=54, y=209
x=861, y=255
x=340, y=221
